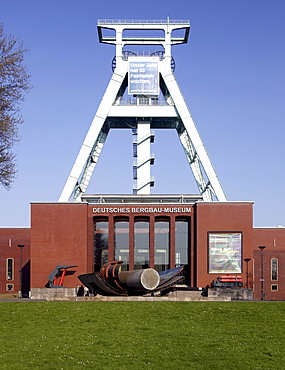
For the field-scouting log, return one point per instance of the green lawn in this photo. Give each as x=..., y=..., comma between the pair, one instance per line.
x=142, y=335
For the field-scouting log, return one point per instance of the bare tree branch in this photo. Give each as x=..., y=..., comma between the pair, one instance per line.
x=14, y=83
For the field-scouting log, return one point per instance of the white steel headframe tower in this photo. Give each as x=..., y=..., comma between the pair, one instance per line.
x=144, y=110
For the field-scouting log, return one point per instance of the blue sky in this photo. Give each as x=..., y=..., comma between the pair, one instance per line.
x=231, y=74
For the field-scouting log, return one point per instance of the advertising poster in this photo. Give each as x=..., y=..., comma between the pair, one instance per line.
x=225, y=253
x=143, y=76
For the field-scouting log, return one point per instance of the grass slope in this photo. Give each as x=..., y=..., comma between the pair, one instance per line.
x=142, y=335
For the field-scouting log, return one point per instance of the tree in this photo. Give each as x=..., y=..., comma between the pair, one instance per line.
x=14, y=83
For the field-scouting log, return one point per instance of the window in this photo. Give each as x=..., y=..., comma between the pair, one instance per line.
x=274, y=287
x=182, y=245
x=141, y=247
x=225, y=253
x=121, y=250
x=274, y=269
x=9, y=287
x=101, y=235
x=181, y=242
x=161, y=245
x=10, y=269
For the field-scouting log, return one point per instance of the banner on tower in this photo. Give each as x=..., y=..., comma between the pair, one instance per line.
x=143, y=76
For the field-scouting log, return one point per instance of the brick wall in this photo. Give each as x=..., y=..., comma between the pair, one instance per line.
x=10, y=238
x=217, y=217
x=59, y=236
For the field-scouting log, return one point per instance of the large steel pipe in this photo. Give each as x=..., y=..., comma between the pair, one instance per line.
x=147, y=279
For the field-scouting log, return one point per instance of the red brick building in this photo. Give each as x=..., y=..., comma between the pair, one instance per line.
x=14, y=259
x=209, y=238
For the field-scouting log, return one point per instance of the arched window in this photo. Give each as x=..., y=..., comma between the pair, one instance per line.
x=121, y=239
x=161, y=244
x=101, y=235
x=141, y=246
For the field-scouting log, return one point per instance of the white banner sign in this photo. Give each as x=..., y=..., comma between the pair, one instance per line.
x=143, y=76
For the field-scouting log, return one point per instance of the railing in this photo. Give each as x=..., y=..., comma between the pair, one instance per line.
x=143, y=21
x=138, y=186
x=142, y=101
x=126, y=54
x=150, y=158
x=150, y=198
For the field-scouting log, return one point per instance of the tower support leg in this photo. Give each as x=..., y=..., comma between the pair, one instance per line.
x=204, y=173
x=88, y=155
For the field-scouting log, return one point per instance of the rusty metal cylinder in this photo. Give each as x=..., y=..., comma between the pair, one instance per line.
x=146, y=279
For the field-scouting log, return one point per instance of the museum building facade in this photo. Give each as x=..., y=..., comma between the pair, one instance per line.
x=209, y=239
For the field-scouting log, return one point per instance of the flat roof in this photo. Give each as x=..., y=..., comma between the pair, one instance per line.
x=139, y=198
